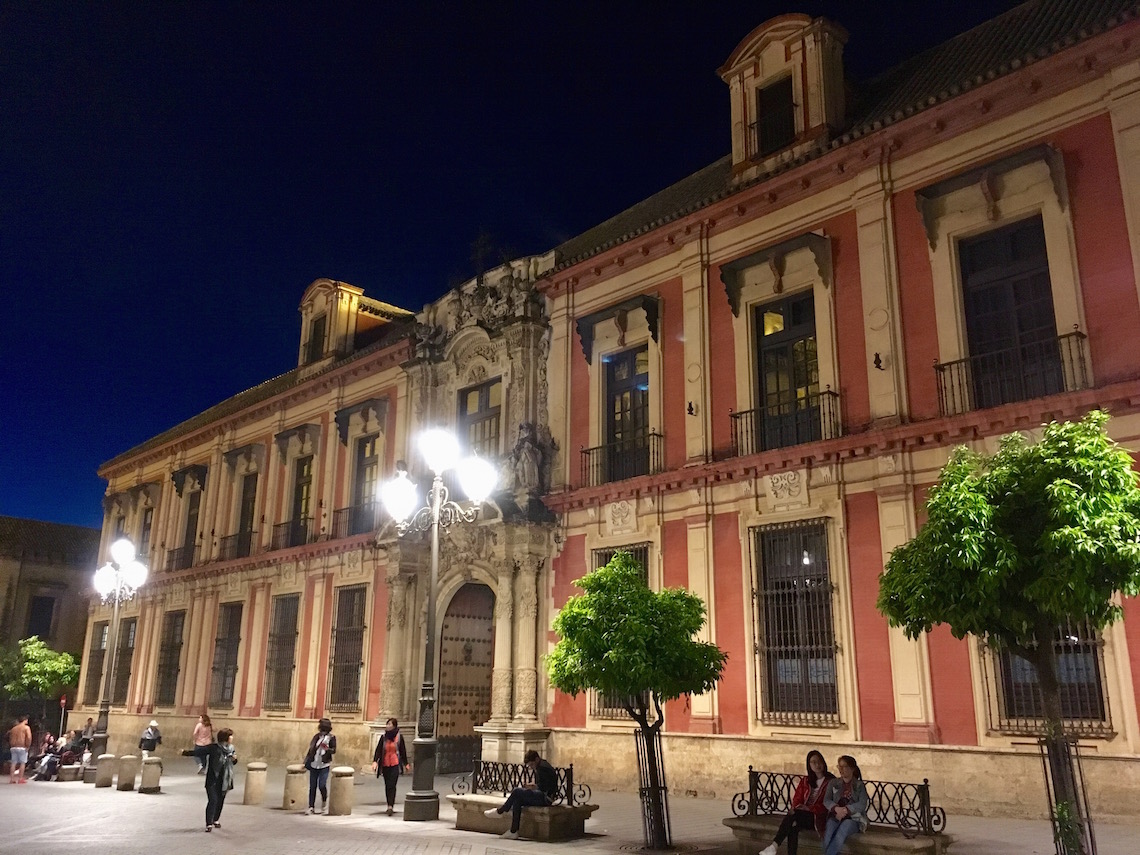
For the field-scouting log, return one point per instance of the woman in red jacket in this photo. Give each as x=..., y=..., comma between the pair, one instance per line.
x=807, y=806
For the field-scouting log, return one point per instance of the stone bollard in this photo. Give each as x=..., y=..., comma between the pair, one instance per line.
x=105, y=770
x=151, y=775
x=128, y=771
x=254, y=792
x=89, y=773
x=296, y=788
x=340, y=790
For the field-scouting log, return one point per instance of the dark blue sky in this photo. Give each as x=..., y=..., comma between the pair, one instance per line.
x=173, y=175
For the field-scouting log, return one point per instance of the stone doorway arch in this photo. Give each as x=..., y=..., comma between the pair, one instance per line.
x=467, y=651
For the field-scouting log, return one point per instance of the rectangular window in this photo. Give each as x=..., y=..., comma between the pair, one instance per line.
x=627, y=414
x=282, y=652
x=315, y=347
x=223, y=675
x=124, y=659
x=775, y=117
x=95, y=657
x=1080, y=673
x=794, y=627
x=479, y=410
x=610, y=706
x=362, y=516
x=169, y=658
x=297, y=530
x=788, y=374
x=347, y=658
x=241, y=543
x=41, y=613
x=1011, y=328
x=144, y=533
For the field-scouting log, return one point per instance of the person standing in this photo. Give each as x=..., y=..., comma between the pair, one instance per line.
x=203, y=740
x=220, y=759
x=390, y=758
x=807, y=806
x=318, y=759
x=846, y=801
x=151, y=738
x=541, y=793
x=19, y=741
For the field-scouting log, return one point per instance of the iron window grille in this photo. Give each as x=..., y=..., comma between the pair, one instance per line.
x=794, y=626
x=223, y=674
x=346, y=659
x=1014, y=694
x=607, y=706
x=95, y=658
x=123, y=660
x=169, y=658
x=280, y=661
x=480, y=408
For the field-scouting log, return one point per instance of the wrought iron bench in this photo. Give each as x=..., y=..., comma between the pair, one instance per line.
x=902, y=819
x=489, y=783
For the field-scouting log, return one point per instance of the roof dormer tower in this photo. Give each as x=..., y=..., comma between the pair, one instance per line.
x=328, y=320
x=786, y=86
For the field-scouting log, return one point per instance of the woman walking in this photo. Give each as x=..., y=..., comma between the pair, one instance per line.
x=807, y=806
x=391, y=756
x=318, y=759
x=846, y=801
x=220, y=759
x=203, y=740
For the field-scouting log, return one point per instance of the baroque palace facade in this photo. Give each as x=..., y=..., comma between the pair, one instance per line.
x=750, y=380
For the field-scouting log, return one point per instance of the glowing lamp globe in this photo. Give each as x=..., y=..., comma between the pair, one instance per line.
x=399, y=496
x=477, y=477
x=122, y=551
x=134, y=574
x=105, y=580
x=440, y=449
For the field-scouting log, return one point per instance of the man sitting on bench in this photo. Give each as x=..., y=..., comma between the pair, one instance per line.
x=539, y=794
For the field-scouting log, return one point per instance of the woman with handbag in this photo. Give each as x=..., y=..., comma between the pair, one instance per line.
x=390, y=758
x=220, y=759
x=318, y=759
x=846, y=801
x=807, y=806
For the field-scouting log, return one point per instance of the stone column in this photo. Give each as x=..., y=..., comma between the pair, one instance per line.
x=526, y=654
x=395, y=650
x=501, y=672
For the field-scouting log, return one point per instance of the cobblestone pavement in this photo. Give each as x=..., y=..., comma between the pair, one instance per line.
x=77, y=819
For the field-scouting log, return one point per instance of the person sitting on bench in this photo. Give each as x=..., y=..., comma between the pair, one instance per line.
x=541, y=793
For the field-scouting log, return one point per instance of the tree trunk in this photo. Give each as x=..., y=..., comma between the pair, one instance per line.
x=1067, y=809
x=652, y=787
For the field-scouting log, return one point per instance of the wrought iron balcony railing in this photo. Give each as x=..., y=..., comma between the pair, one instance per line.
x=1032, y=370
x=627, y=458
x=358, y=519
x=181, y=558
x=793, y=421
x=240, y=545
x=296, y=532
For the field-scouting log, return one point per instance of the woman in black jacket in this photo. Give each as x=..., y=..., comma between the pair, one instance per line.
x=318, y=759
x=391, y=756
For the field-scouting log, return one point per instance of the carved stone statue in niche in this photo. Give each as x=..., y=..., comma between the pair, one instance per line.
x=526, y=461
x=430, y=339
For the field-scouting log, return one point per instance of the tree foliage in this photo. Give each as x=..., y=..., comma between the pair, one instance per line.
x=624, y=640
x=34, y=670
x=1021, y=541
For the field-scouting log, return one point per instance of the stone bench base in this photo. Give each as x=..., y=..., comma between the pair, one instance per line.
x=753, y=833
x=557, y=822
x=69, y=773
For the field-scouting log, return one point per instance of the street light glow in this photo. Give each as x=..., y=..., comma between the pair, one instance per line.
x=105, y=580
x=122, y=552
x=440, y=449
x=477, y=477
x=399, y=496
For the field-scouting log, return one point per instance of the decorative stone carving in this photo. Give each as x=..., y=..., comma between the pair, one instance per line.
x=827, y=473
x=888, y=464
x=621, y=517
x=504, y=598
x=526, y=593
x=392, y=694
x=528, y=462
x=469, y=543
x=353, y=565
x=501, y=693
x=397, y=602
x=288, y=573
x=786, y=489
x=526, y=692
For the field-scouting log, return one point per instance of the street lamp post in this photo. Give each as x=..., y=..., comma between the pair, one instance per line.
x=477, y=478
x=117, y=582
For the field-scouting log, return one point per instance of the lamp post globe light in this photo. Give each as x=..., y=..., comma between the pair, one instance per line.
x=116, y=582
x=477, y=477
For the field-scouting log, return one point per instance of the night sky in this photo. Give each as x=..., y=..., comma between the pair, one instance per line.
x=173, y=176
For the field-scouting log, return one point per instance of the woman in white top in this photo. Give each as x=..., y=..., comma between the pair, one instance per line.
x=318, y=759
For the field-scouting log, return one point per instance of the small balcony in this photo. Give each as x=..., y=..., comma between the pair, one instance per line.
x=359, y=519
x=1022, y=373
x=240, y=545
x=181, y=558
x=789, y=422
x=627, y=458
x=296, y=532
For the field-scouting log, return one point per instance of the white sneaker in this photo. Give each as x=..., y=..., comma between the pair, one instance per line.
x=771, y=850
x=492, y=812
x=509, y=835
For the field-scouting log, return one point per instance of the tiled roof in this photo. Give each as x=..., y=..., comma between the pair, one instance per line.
x=1025, y=34
x=33, y=539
